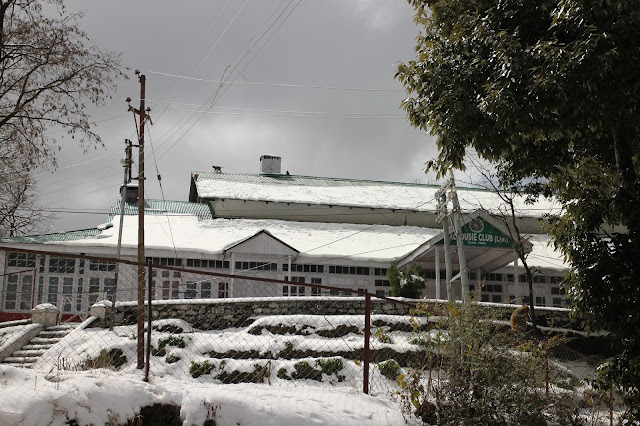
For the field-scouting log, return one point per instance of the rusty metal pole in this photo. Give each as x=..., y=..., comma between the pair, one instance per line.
x=367, y=337
x=149, y=321
x=141, y=257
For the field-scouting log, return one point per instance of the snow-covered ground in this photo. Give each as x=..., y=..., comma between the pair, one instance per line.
x=61, y=387
x=36, y=397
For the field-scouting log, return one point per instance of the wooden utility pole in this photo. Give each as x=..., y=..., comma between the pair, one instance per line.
x=141, y=258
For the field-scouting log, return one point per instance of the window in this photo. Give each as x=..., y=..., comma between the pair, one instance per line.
x=316, y=291
x=109, y=288
x=293, y=290
x=204, y=263
x=540, y=301
x=472, y=276
x=510, y=277
x=40, y=297
x=62, y=265
x=94, y=289
x=53, y=290
x=558, y=302
x=485, y=297
x=164, y=261
x=22, y=260
x=79, y=295
x=557, y=290
x=555, y=280
x=192, y=290
x=523, y=278
x=223, y=290
x=166, y=290
x=303, y=268
x=12, y=291
x=382, y=283
x=539, y=279
x=102, y=266
x=349, y=270
x=496, y=298
x=380, y=271
x=205, y=289
x=492, y=277
x=175, y=289
x=525, y=300
x=67, y=289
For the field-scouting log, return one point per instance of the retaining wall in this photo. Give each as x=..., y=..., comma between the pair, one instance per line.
x=216, y=314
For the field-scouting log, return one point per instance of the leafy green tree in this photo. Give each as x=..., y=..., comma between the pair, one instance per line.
x=549, y=91
x=406, y=282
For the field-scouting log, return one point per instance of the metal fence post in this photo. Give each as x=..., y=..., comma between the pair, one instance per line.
x=367, y=337
x=149, y=298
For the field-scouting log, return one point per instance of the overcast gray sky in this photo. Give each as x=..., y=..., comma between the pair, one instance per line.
x=277, y=46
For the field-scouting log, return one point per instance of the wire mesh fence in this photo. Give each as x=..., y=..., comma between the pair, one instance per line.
x=199, y=323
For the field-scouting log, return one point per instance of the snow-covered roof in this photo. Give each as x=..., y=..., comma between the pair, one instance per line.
x=544, y=255
x=382, y=243
x=349, y=192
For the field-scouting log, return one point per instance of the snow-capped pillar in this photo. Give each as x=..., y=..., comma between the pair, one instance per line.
x=437, y=272
x=45, y=314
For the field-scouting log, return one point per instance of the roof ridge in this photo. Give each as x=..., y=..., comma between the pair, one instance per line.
x=338, y=179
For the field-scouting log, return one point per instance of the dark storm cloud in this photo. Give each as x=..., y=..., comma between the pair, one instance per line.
x=346, y=44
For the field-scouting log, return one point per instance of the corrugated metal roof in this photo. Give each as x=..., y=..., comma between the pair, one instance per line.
x=154, y=207
x=57, y=236
x=295, y=180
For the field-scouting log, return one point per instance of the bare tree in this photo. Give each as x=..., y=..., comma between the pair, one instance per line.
x=507, y=214
x=49, y=72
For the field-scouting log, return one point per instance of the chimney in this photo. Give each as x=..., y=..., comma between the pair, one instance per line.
x=131, y=193
x=270, y=165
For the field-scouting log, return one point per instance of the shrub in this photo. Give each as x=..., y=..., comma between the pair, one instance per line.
x=389, y=369
x=330, y=366
x=306, y=371
x=177, y=342
x=283, y=374
x=481, y=374
x=114, y=358
x=197, y=369
x=171, y=358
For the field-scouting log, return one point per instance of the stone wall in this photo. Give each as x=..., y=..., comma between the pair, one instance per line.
x=216, y=314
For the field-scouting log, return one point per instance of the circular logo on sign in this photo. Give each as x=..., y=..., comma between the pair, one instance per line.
x=476, y=225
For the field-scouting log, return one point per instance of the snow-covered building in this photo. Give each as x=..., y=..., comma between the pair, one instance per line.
x=336, y=232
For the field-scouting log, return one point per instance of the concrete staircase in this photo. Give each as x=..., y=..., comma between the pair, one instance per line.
x=26, y=356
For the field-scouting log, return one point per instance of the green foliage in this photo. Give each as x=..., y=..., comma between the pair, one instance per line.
x=197, y=369
x=114, y=358
x=175, y=341
x=481, y=373
x=382, y=336
x=389, y=369
x=305, y=371
x=283, y=374
x=172, y=358
x=549, y=92
x=406, y=282
x=330, y=366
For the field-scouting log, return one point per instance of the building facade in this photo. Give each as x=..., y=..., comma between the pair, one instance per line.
x=341, y=233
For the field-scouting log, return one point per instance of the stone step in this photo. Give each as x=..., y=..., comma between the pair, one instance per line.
x=29, y=352
x=44, y=341
x=30, y=346
x=53, y=333
x=68, y=327
x=20, y=360
x=17, y=364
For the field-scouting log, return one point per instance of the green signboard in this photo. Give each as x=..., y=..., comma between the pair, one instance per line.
x=479, y=233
